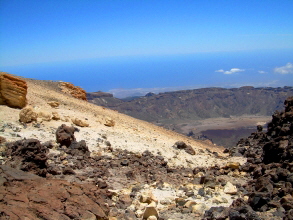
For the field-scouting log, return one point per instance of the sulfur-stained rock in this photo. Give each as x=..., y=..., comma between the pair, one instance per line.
x=109, y=122
x=12, y=91
x=79, y=122
x=75, y=91
x=27, y=115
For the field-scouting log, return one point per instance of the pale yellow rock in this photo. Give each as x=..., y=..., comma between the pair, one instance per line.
x=56, y=116
x=233, y=165
x=189, y=204
x=139, y=213
x=44, y=116
x=199, y=174
x=65, y=118
x=109, y=122
x=189, y=186
x=150, y=211
x=152, y=204
x=219, y=200
x=146, y=197
x=152, y=217
x=230, y=189
x=166, y=201
x=245, y=198
x=199, y=208
x=54, y=104
x=79, y=122
x=27, y=115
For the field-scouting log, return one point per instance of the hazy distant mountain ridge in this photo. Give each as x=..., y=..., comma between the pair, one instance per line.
x=201, y=103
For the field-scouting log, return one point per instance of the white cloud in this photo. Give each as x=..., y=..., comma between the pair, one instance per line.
x=231, y=71
x=220, y=71
x=262, y=72
x=287, y=69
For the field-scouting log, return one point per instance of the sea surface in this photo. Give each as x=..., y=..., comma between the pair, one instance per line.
x=170, y=72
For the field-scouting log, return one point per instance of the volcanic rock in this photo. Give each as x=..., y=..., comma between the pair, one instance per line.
x=33, y=197
x=28, y=155
x=12, y=91
x=181, y=145
x=269, y=161
x=65, y=135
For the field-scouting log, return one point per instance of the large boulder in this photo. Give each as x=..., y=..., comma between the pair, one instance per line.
x=12, y=91
x=27, y=115
x=65, y=135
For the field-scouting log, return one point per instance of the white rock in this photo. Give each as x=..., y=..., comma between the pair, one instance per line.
x=230, y=189
x=199, y=208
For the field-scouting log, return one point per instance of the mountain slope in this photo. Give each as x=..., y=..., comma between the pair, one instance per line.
x=204, y=103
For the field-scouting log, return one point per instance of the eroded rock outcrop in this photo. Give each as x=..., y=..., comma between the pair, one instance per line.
x=12, y=91
x=73, y=90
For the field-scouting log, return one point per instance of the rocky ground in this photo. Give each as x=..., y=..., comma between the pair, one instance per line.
x=64, y=158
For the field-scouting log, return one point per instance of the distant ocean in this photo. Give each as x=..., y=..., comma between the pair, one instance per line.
x=172, y=71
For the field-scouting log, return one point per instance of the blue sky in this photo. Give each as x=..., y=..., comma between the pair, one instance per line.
x=51, y=32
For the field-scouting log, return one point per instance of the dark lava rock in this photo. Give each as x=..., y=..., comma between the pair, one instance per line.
x=65, y=135
x=269, y=161
x=181, y=145
x=124, y=163
x=217, y=213
x=78, y=149
x=2, y=140
x=28, y=155
x=68, y=171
